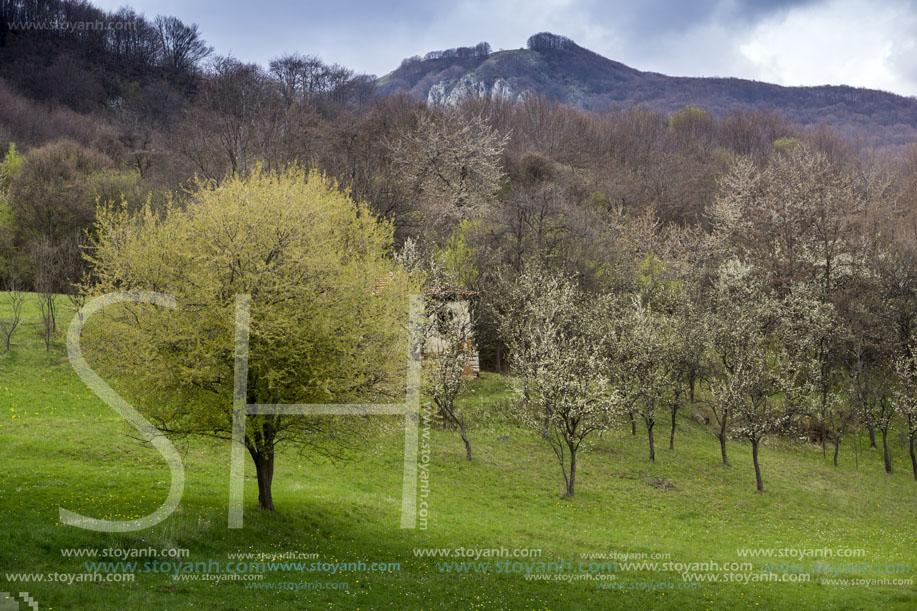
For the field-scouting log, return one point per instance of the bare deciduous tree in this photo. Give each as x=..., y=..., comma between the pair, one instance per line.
x=11, y=315
x=49, y=261
x=181, y=47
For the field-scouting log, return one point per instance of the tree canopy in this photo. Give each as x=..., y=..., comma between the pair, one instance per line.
x=323, y=327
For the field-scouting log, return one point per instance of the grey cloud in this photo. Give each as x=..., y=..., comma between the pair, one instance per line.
x=691, y=37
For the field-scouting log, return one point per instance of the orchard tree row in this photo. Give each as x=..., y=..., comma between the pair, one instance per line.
x=793, y=315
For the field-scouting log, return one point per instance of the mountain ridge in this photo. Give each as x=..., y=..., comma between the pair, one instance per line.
x=557, y=68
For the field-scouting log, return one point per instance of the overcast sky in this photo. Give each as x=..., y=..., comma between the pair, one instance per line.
x=790, y=42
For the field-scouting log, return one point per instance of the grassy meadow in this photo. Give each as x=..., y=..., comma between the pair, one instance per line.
x=60, y=446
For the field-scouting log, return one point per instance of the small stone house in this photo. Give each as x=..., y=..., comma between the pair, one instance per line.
x=459, y=302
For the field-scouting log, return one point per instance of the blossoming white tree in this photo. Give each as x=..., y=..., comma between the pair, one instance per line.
x=905, y=399
x=554, y=333
x=770, y=358
x=451, y=164
x=732, y=328
x=763, y=396
x=646, y=365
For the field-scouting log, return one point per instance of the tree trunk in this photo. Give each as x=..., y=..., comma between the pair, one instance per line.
x=672, y=433
x=499, y=358
x=649, y=429
x=691, y=389
x=856, y=448
x=264, y=468
x=754, y=456
x=722, y=438
x=824, y=424
x=449, y=410
x=837, y=446
x=910, y=443
x=888, y=460
x=824, y=437
x=571, y=481
x=461, y=424
x=633, y=423
x=872, y=435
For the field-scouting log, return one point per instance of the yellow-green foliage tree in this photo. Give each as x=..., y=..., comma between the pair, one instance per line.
x=10, y=166
x=323, y=327
x=692, y=125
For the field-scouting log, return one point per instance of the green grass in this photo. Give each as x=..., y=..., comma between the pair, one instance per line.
x=62, y=447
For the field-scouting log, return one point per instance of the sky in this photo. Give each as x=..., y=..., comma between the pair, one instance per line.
x=789, y=42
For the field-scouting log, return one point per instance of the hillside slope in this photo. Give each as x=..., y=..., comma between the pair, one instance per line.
x=60, y=446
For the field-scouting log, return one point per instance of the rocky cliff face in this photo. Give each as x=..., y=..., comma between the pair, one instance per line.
x=450, y=93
